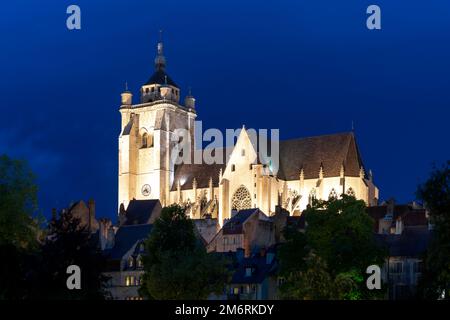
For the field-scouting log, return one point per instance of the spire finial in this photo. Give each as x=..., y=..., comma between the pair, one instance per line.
x=189, y=91
x=126, y=85
x=160, y=60
x=353, y=126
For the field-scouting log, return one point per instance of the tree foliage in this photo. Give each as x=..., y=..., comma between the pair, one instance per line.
x=435, y=193
x=176, y=264
x=329, y=260
x=19, y=227
x=69, y=243
x=18, y=204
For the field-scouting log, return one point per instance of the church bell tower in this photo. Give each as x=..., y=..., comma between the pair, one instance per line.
x=148, y=136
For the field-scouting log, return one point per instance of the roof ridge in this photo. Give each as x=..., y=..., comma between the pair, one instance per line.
x=320, y=136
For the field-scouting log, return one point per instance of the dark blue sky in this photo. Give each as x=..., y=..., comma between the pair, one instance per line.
x=306, y=67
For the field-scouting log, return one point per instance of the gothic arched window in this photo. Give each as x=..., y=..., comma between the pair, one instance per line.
x=144, y=140
x=333, y=194
x=350, y=192
x=241, y=199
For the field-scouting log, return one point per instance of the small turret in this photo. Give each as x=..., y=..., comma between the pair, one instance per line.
x=189, y=101
x=362, y=173
x=127, y=96
x=321, y=171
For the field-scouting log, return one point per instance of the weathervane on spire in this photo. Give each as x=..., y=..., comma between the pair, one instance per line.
x=160, y=60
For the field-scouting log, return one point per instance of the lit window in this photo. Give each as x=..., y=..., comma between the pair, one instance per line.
x=248, y=272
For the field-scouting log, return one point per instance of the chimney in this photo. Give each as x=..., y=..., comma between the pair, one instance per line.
x=398, y=226
x=122, y=215
x=390, y=206
x=91, y=206
x=106, y=234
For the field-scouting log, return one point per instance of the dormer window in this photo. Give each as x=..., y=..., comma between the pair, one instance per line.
x=130, y=262
x=140, y=262
x=243, y=152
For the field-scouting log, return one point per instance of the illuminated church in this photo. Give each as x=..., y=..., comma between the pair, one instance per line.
x=318, y=167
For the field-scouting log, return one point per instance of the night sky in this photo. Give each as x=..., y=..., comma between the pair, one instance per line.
x=306, y=67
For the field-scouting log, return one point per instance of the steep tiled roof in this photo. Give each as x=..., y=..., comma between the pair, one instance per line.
x=159, y=77
x=409, y=215
x=411, y=243
x=260, y=269
x=234, y=224
x=331, y=151
x=186, y=173
x=126, y=237
x=140, y=211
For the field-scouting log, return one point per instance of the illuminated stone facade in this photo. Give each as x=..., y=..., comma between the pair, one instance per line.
x=321, y=167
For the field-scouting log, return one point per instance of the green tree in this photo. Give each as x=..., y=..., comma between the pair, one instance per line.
x=18, y=204
x=329, y=261
x=176, y=264
x=19, y=226
x=435, y=193
x=68, y=243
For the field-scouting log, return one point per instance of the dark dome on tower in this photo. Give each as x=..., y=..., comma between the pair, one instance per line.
x=161, y=77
